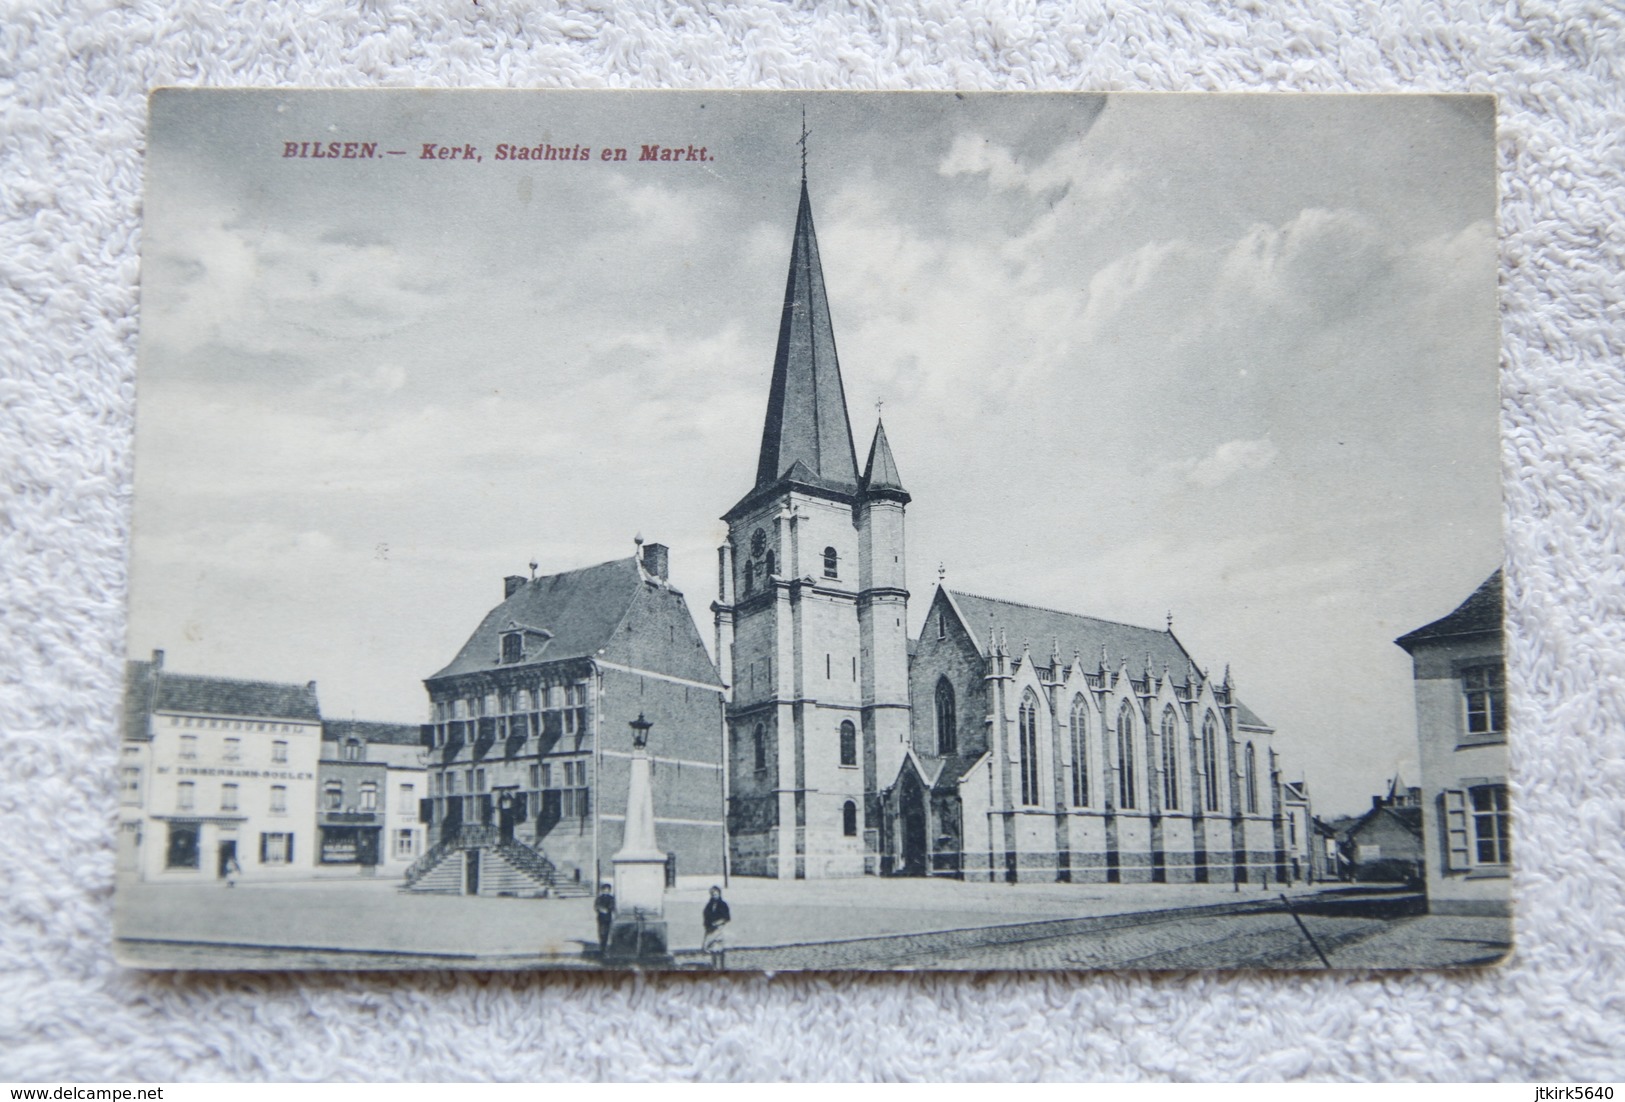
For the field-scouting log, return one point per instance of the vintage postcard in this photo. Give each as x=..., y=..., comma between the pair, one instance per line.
x=741, y=531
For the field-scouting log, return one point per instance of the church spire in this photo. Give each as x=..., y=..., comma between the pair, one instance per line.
x=806, y=423
x=880, y=475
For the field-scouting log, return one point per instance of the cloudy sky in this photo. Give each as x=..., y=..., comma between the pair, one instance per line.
x=1229, y=357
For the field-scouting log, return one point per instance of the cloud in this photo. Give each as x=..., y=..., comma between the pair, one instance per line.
x=1230, y=459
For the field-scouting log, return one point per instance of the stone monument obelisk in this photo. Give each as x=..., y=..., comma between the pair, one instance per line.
x=638, y=934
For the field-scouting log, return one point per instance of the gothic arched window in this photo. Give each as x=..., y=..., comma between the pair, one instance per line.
x=1125, y=756
x=1080, y=751
x=947, y=733
x=849, y=743
x=1027, y=758
x=831, y=562
x=771, y=568
x=1210, y=761
x=759, y=745
x=1252, y=781
x=849, y=819
x=1170, y=759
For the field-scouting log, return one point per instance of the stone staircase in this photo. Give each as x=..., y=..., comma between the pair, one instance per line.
x=507, y=868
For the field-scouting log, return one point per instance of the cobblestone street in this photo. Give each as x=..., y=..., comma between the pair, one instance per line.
x=938, y=925
x=1260, y=940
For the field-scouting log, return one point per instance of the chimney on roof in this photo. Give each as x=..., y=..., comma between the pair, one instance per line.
x=512, y=584
x=656, y=560
x=157, y=659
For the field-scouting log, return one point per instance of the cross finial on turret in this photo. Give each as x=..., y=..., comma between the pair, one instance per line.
x=802, y=142
x=1170, y=619
x=942, y=571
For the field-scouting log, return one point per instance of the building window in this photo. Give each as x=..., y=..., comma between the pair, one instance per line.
x=234, y=749
x=849, y=743
x=352, y=749
x=276, y=849
x=759, y=745
x=188, y=747
x=405, y=843
x=335, y=795
x=771, y=568
x=183, y=849
x=947, y=731
x=1251, y=766
x=279, y=751
x=1125, y=756
x=750, y=577
x=451, y=783
x=513, y=647
x=184, y=795
x=1170, y=759
x=1484, y=693
x=942, y=626
x=573, y=800
x=575, y=710
x=1080, y=751
x=1027, y=748
x=831, y=562
x=1492, y=824
x=228, y=797
x=369, y=796
x=279, y=799
x=409, y=793
x=1210, y=762
x=849, y=819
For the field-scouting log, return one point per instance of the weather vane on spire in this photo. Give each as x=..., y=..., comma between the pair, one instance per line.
x=802, y=142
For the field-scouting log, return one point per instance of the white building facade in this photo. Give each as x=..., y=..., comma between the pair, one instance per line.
x=217, y=777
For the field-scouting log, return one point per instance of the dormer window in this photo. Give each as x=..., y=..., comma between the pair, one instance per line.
x=831, y=563
x=513, y=646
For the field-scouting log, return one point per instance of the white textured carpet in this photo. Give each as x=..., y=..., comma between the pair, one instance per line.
x=74, y=81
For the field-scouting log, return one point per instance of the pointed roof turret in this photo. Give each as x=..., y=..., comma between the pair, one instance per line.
x=806, y=407
x=880, y=477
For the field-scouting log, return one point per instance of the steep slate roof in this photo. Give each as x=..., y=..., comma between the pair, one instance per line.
x=140, y=679
x=581, y=608
x=225, y=697
x=1041, y=629
x=1410, y=818
x=607, y=611
x=880, y=473
x=1478, y=615
x=400, y=734
x=806, y=407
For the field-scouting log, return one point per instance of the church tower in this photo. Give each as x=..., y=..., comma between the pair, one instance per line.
x=812, y=613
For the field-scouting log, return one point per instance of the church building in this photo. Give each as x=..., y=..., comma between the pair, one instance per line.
x=1007, y=743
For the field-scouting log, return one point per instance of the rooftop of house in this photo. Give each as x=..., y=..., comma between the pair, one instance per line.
x=1481, y=614
x=399, y=734
x=579, y=614
x=223, y=696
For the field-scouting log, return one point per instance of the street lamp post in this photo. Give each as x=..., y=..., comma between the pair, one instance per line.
x=638, y=933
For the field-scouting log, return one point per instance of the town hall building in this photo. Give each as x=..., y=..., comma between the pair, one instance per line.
x=1008, y=743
